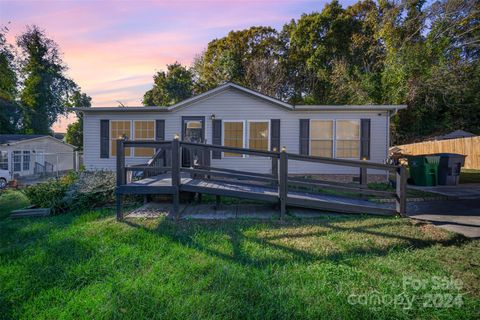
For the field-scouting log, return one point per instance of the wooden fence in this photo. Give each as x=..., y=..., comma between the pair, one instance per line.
x=466, y=146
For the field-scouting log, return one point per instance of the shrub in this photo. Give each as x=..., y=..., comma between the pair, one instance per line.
x=50, y=194
x=91, y=189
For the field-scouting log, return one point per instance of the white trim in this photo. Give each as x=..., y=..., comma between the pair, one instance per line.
x=243, y=137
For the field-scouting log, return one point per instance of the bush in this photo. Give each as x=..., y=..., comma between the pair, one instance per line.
x=51, y=194
x=91, y=189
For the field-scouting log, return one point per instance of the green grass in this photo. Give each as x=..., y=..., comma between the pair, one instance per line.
x=470, y=176
x=88, y=266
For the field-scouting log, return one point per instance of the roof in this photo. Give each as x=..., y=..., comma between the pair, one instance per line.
x=455, y=135
x=259, y=95
x=10, y=139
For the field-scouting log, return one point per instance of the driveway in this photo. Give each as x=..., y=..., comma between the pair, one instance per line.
x=460, y=216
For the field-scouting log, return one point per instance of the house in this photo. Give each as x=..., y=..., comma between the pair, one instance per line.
x=232, y=115
x=24, y=155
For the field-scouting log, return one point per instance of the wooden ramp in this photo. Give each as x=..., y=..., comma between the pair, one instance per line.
x=167, y=176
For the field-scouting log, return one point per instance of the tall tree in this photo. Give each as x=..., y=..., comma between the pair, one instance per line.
x=9, y=109
x=46, y=88
x=74, y=134
x=170, y=87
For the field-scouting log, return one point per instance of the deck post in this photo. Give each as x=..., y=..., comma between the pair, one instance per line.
x=401, y=191
x=275, y=166
x=363, y=176
x=282, y=182
x=176, y=175
x=120, y=176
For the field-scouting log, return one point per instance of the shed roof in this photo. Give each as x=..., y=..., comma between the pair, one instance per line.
x=12, y=138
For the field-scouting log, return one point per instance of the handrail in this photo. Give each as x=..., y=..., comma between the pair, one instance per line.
x=279, y=177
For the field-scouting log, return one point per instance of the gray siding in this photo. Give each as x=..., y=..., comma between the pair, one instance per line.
x=235, y=105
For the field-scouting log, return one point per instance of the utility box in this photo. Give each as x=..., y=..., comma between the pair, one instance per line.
x=449, y=169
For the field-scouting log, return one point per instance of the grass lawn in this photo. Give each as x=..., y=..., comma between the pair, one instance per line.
x=470, y=176
x=88, y=266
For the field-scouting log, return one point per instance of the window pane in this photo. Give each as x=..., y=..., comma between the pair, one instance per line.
x=258, y=135
x=3, y=160
x=117, y=130
x=322, y=148
x=144, y=130
x=26, y=160
x=17, y=160
x=233, y=137
x=348, y=149
x=321, y=129
x=348, y=130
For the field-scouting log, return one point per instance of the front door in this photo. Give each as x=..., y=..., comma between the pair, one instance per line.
x=193, y=130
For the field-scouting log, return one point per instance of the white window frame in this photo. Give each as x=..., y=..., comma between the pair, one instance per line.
x=243, y=135
x=20, y=154
x=6, y=159
x=247, y=140
x=132, y=134
x=359, y=137
x=334, y=128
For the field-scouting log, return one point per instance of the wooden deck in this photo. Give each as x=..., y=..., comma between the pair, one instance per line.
x=276, y=187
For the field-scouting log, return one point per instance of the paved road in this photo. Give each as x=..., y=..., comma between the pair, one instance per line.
x=461, y=216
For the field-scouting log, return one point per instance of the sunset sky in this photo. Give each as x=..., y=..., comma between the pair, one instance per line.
x=113, y=48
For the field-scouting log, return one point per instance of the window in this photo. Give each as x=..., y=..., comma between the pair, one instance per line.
x=233, y=133
x=17, y=160
x=144, y=130
x=321, y=138
x=117, y=130
x=258, y=135
x=26, y=160
x=348, y=139
x=3, y=160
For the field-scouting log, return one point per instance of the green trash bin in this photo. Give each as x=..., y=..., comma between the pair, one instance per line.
x=424, y=169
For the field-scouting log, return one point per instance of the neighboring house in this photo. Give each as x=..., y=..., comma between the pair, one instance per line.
x=23, y=154
x=232, y=115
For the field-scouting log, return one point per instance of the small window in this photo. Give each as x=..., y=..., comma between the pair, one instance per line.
x=233, y=133
x=119, y=129
x=348, y=139
x=26, y=160
x=3, y=160
x=258, y=135
x=144, y=130
x=17, y=161
x=321, y=138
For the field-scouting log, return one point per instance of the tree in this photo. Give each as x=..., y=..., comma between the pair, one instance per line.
x=170, y=87
x=74, y=134
x=9, y=109
x=46, y=88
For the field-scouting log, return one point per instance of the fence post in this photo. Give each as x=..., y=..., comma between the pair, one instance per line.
x=120, y=176
x=401, y=191
x=176, y=175
x=282, y=182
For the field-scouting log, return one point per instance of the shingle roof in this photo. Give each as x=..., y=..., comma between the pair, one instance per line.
x=11, y=138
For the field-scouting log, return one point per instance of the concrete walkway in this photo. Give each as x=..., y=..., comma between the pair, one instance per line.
x=460, y=216
x=461, y=191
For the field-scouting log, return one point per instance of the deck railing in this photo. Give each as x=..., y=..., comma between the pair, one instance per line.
x=169, y=153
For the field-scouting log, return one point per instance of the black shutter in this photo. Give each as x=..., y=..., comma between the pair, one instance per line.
x=304, y=136
x=104, y=138
x=160, y=130
x=216, y=137
x=365, y=139
x=275, y=134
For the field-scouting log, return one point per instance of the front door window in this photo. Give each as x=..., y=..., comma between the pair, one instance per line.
x=193, y=131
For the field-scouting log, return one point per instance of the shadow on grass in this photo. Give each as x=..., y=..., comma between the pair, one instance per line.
x=183, y=233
